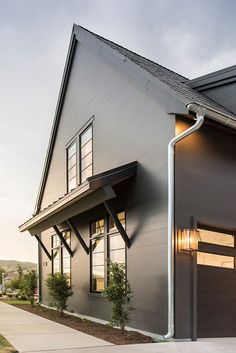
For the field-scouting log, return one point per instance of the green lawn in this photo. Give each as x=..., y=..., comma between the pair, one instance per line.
x=5, y=346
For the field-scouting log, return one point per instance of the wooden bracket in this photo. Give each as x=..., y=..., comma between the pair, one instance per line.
x=116, y=220
x=78, y=236
x=63, y=241
x=43, y=246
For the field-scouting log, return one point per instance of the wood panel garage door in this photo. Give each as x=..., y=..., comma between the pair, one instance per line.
x=216, y=284
x=216, y=302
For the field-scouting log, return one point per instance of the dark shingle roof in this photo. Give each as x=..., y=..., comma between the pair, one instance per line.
x=175, y=81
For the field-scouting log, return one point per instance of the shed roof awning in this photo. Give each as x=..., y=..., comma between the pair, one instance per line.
x=96, y=190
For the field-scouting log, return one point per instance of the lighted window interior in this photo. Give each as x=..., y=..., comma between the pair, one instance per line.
x=97, y=248
x=215, y=260
x=212, y=237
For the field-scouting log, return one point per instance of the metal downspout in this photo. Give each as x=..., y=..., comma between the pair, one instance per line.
x=200, y=113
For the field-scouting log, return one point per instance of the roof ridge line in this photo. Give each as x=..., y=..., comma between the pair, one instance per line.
x=141, y=56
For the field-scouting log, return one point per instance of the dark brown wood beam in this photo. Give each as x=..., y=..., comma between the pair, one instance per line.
x=63, y=241
x=116, y=220
x=78, y=236
x=216, y=249
x=43, y=246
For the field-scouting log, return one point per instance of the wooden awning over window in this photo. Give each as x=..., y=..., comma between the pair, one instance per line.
x=96, y=190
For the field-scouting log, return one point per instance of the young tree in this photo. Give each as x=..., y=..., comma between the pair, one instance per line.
x=19, y=270
x=118, y=292
x=29, y=285
x=15, y=284
x=2, y=272
x=59, y=290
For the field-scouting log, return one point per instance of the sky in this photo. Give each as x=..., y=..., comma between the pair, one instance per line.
x=190, y=37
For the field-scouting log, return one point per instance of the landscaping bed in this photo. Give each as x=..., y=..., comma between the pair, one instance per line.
x=104, y=332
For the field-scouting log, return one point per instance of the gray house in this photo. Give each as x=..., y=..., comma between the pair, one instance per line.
x=141, y=169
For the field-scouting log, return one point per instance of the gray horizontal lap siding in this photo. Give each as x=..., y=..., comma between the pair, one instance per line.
x=205, y=189
x=128, y=126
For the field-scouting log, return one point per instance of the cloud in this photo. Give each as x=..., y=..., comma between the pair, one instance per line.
x=190, y=37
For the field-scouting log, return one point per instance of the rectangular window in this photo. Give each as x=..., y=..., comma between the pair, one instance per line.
x=117, y=249
x=217, y=238
x=56, y=250
x=61, y=261
x=208, y=259
x=220, y=239
x=86, y=153
x=97, y=255
x=66, y=259
x=71, y=167
x=79, y=158
x=103, y=232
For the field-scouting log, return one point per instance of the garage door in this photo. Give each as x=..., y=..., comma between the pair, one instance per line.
x=216, y=286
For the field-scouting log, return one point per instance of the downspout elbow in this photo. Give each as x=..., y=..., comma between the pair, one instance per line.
x=200, y=114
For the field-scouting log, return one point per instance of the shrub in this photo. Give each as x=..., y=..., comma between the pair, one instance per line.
x=59, y=290
x=118, y=292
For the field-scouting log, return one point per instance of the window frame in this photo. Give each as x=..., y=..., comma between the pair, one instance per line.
x=67, y=165
x=217, y=249
x=91, y=253
x=77, y=140
x=90, y=126
x=106, y=236
x=61, y=247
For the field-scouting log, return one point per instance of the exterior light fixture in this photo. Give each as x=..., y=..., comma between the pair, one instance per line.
x=188, y=239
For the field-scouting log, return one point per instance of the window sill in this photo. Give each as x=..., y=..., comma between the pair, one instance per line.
x=96, y=295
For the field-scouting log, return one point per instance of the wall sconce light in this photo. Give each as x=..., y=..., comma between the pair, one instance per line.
x=188, y=239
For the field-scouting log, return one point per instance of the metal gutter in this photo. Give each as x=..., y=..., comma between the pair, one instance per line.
x=171, y=215
x=215, y=115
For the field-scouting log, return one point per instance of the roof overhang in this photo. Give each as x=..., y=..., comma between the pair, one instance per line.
x=96, y=190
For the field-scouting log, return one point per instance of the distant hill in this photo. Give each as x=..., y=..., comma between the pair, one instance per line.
x=10, y=267
x=13, y=263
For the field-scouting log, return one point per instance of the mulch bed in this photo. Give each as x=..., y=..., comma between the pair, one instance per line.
x=104, y=332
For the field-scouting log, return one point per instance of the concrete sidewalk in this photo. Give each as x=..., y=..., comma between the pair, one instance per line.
x=34, y=334
x=30, y=333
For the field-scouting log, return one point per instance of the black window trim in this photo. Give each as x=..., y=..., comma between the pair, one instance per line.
x=60, y=247
x=77, y=139
x=217, y=249
x=106, y=236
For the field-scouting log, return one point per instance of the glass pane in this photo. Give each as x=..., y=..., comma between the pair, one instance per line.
x=118, y=256
x=98, y=278
x=55, y=241
x=97, y=228
x=116, y=242
x=86, y=161
x=215, y=260
x=86, y=173
x=71, y=150
x=72, y=161
x=72, y=184
x=216, y=238
x=66, y=236
x=66, y=263
x=56, y=261
x=86, y=136
x=121, y=217
x=98, y=245
x=86, y=149
x=98, y=259
x=72, y=173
